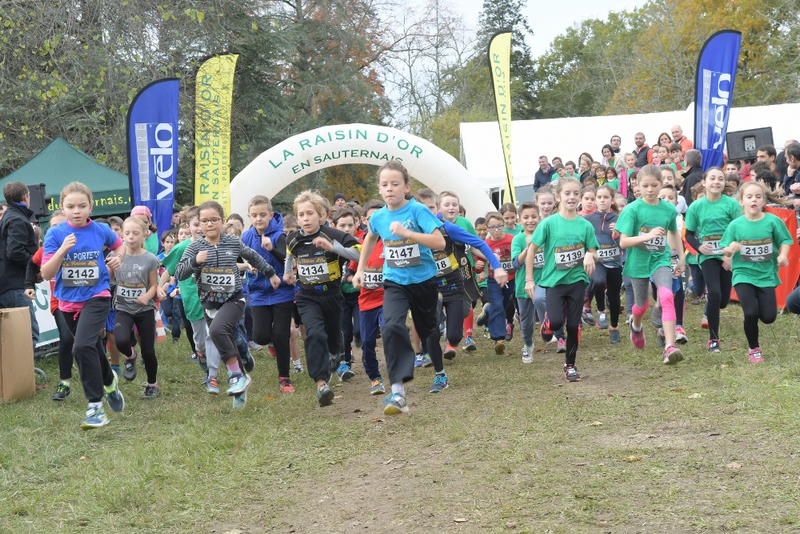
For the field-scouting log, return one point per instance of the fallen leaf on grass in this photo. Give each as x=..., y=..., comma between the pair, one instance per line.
x=377, y=420
x=596, y=423
x=84, y=458
x=337, y=396
x=632, y=458
x=723, y=366
x=387, y=462
x=581, y=464
x=269, y=398
x=460, y=519
x=734, y=465
x=357, y=410
x=511, y=524
x=234, y=531
x=694, y=396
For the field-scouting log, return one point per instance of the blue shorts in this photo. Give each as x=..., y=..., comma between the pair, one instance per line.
x=112, y=317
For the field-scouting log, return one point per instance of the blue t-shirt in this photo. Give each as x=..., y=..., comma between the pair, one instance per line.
x=406, y=261
x=83, y=273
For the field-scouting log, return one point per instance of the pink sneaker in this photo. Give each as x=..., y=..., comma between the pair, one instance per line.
x=672, y=355
x=756, y=356
x=680, y=336
x=562, y=345
x=637, y=338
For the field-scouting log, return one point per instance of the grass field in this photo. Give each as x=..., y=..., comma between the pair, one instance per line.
x=710, y=445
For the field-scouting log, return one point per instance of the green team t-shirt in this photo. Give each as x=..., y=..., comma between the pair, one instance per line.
x=518, y=244
x=690, y=258
x=151, y=244
x=514, y=231
x=708, y=220
x=639, y=218
x=756, y=263
x=564, y=242
x=192, y=308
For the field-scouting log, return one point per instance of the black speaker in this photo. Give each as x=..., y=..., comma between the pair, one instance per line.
x=39, y=200
x=744, y=144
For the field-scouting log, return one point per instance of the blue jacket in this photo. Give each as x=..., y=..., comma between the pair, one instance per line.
x=261, y=292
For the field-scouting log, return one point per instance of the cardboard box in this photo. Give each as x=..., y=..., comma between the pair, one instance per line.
x=17, y=380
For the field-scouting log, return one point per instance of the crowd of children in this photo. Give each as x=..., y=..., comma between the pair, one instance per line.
x=344, y=278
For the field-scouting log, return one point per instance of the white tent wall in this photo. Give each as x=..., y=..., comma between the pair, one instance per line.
x=482, y=154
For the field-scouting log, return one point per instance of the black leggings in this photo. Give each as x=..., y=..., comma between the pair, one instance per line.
x=758, y=304
x=87, y=348
x=718, y=286
x=222, y=329
x=566, y=302
x=64, y=346
x=610, y=278
x=273, y=324
x=322, y=316
x=454, y=312
x=187, y=324
x=146, y=325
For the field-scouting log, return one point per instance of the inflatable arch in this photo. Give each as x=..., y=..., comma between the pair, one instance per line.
x=343, y=144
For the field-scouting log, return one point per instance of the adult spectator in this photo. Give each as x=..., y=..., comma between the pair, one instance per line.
x=780, y=162
x=339, y=200
x=678, y=137
x=643, y=152
x=693, y=173
x=17, y=246
x=791, y=180
x=584, y=167
x=767, y=153
x=2, y=211
x=664, y=140
x=610, y=158
x=544, y=173
x=616, y=143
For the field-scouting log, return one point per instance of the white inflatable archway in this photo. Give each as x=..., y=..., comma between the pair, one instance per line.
x=343, y=144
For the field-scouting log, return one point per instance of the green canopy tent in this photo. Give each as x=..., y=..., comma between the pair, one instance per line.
x=59, y=163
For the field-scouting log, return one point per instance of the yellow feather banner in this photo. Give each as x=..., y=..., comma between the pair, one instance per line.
x=212, y=126
x=500, y=67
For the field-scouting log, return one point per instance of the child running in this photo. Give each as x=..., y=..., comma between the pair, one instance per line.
x=73, y=254
x=529, y=217
x=137, y=282
x=748, y=247
x=409, y=231
x=648, y=231
x=607, y=277
x=319, y=252
x=500, y=294
x=213, y=262
x=706, y=221
x=569, y=246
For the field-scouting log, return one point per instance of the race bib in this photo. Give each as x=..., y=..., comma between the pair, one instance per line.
x=538, y=260
x=130, y=292
x=315, y=270
x=673, y=261
x=756, y=250
x=444, y=263
x=609, y=253
x=658, y=244
x=80, y=273
x=713, y=242
x=401, y=253
x=217, y=280
x=373, y=278
x=569, y=256
x=507, y=266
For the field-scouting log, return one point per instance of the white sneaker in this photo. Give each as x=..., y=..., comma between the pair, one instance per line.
x=527, y=354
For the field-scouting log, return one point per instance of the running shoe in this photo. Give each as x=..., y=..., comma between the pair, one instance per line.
x=527, y=354
x=672, y=355
x=377, y=387
x=395, y=404
x=713, y=346
x=344, y=372
x=422, y=360
x=704, y=322
x=255, y=347
x=486, y=332
x=587, y=316
x=325, y=395
x=661, y=338
x=469, y=344
x=271, y=350
x=637, y=337
x=249, y=362
x=439, y=383
x=613, y=336
x=116, y=369
x=483, y=317
x=509, y=331
x=602, y=321
x=285, y=384
x=212, y=385
x=499, y=347
x=130, y=368
x=202, y=362
x=562, y=346
x=571, y=373
x=297, y=366
x=756, y=356
x=150, y=392
x=239, y=401
x=238, y=383
x=680, y=335
x=62, y=391
x=95, y=418
x=449, y=352
x=114, y=396
x=545, y=332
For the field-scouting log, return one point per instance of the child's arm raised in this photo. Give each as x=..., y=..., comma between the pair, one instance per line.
x=434, y=240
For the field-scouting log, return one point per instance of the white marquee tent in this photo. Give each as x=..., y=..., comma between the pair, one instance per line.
x=482, y=155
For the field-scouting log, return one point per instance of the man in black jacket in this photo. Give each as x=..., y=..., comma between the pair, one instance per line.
x=17, y=246
x=544, y=173
x=693, y=174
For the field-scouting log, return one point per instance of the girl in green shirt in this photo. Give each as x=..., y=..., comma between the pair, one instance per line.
x=748, y=246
